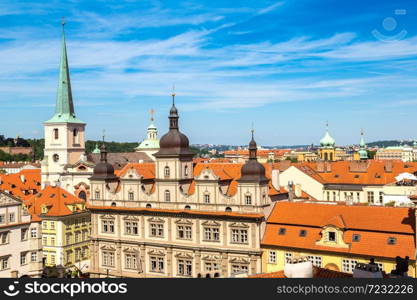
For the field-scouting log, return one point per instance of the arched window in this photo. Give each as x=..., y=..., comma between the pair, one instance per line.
x=186, y=171
x=325, y=156
x=167, y=196
x=148, y=206
x=187, y=207
x=113, y=204
x=166, y=171
x=56, y=133
x=331, y=156
x=82, y=195
x=228, y=209
x=97, y=195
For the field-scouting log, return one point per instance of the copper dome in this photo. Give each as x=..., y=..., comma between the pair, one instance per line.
x=103, y=170
x=174, y=143
x=252, y=170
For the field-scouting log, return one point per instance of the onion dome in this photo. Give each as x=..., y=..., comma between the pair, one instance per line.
x=96, y=150
x=174, y=143
x=252, y=170
x=327, y=141
x=103, y=170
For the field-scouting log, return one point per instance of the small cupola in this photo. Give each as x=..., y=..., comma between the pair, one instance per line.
x=252, y=170
x=103, y=170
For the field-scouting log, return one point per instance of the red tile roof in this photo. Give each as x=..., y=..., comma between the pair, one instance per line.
x=375, y=225
x=22, y=184
x=371, y=172
x=56, y=199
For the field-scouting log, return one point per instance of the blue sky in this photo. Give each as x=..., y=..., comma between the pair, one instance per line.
x=286, y=66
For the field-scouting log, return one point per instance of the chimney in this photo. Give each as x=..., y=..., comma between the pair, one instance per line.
x=290, y=191
x=320, y=166
x=328, y=166
x=388, y=166
x=358, y=166
x=275, y=179
x=298, y=268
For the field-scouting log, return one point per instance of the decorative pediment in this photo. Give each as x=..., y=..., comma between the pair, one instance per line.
x=8, y=200
x=107, y=217
x=130, y=218
x=184, y=255
x=183, y=222
x=239, y=260
x=82, y=184
x=207, y=174
x=156, y=252
x=239, y=225
x=156, y=220
x=131, y=174
x=211, y=258
x=210, y=223
x=108, y=247
x=130, y=250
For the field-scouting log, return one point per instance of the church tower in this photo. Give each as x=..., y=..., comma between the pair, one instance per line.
x=64, y=132
x=253, y=184
x=327, y=150
x=174, y=161
x=150, y=145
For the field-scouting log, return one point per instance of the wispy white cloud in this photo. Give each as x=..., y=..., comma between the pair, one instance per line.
x=270, y=8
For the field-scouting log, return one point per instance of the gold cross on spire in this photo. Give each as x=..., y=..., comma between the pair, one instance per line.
x=104, y=134
x=63, y=21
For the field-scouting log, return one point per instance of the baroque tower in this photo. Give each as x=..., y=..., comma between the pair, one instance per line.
x=174, y=161
x=64, y=132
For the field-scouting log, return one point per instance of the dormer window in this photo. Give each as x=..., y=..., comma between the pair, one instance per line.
x=282, y=231
x=166, y=172
x=392, y=241
x=331, y=236
x=356, y=238
x=303, y=233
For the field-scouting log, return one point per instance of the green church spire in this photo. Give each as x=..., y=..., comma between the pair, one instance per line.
x=64, y=110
